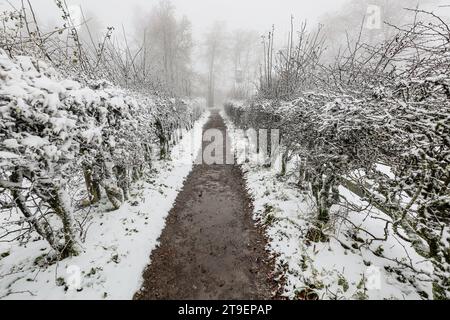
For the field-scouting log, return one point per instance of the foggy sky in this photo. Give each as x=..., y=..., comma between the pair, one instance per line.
x=257, y=15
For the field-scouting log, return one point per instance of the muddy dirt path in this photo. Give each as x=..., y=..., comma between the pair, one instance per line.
x=210, y=248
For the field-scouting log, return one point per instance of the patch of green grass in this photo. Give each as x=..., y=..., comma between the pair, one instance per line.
x=439, y=292
x=379, y=251
x=60, y=281
x=360, y=295
x=362, y=283
x=343, y=283
x=269, y=219
x=304, y=262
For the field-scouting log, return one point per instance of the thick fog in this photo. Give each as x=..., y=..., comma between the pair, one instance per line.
x=225, y=149
x=249, y=14
x=221, y=42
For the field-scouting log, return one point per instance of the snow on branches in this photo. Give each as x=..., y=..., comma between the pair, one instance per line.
x=52, y=128
x=379, y=107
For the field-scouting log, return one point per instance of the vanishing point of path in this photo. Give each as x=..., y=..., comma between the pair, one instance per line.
x=210, y=247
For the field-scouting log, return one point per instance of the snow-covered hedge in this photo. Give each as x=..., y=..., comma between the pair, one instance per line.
x=345, y=141
x=376, y=121
x=381, y=132
x=52, y=128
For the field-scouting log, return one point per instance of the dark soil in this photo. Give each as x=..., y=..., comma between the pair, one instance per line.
x=210, y=247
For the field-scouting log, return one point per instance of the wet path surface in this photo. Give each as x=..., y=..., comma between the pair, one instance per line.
x=210, y=248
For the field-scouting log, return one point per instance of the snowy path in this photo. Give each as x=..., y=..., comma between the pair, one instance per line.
x=210, y=248
x=118, y=242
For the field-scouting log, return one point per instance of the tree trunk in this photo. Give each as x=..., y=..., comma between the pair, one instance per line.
x=284, y=160
x=92, y=185
x=113, y=192
x=41, y=227
x=123, y=180
x=163, y=143
x=325, y=193
x=58, y=201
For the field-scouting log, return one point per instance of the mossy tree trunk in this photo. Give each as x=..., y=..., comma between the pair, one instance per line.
x=325, y=193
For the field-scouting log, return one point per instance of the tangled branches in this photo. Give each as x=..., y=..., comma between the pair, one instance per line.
x=383, y=106
x=52, y=129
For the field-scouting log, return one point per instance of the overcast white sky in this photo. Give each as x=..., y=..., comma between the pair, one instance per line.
x=248, y=14
x=258, y=15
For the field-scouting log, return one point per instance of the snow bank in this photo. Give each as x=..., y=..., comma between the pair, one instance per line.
x=118, y=243
x=66, y=149
x=348, y=266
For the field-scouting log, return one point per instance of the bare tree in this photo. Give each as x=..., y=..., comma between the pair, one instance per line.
x=215, y=49
x=166, y=47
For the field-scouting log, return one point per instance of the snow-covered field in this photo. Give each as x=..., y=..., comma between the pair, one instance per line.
x=117, y=245
x=343, y=268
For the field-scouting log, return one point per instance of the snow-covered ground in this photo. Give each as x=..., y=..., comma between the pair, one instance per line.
x=118, y=243
x=343, y=268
